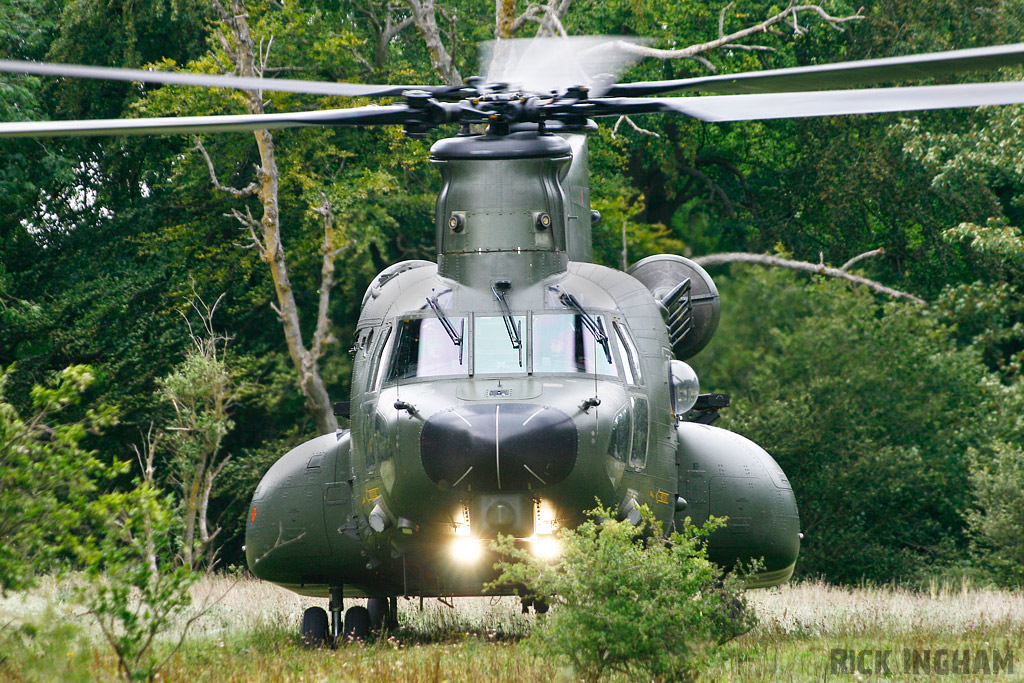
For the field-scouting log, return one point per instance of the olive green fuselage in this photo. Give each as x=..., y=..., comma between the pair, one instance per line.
x=505, y=390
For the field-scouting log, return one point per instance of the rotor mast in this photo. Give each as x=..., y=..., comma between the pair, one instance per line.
x=502, y=206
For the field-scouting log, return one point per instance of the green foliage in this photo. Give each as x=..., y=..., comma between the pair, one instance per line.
x=628, y=599
x=46, y=476
x=996, y=520
x=137, y=589
x=201, y=390
x=868, y=407
x=47, y=648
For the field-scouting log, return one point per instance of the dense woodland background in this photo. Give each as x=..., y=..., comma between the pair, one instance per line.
x=901, y=426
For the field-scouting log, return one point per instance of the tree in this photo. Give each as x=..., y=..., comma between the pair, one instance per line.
x=136, y=588
x=241, y=49
x=46, y=477
x=868, y=407
x=201, y=390
x=996, y=520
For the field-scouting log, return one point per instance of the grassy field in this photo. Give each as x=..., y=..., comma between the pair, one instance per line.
x=251, y=635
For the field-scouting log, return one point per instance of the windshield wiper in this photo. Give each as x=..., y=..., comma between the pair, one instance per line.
x=596, y=327
x=447, y=324
x=514, y=331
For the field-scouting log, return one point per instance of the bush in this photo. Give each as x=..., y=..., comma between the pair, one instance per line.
x=46, y=476
x=997, y=521
x=627, y=599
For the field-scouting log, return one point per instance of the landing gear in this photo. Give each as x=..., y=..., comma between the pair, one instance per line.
x=357, y=623
x=319, y=630
x=383, y=613
x=337, y=605
x=314, y=627
x=539, y=606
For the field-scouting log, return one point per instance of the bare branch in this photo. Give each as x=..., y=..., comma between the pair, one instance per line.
x=282, y=69
x=721, y=19
x=247, y=191
x=552, y=21
x=532, y=13
x=638, y=129
x=247, y=220
x=775, y=261
x=857, y=259
x=728, y=40
x=424, y=13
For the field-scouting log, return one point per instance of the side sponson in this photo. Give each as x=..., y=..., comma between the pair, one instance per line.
x=726, y=475
x=299, y=530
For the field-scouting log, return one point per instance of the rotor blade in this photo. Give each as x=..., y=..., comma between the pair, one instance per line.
x=826, y=103
x=215, y=81
x=554, y=64
x=838, y=75
x=356, y=116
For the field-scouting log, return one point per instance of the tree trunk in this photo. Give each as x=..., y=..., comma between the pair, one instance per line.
x=306, y=363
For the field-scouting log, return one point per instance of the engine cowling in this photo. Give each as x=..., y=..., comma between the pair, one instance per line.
x=688, y=296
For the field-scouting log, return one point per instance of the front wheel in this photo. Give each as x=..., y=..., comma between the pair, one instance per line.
x=315, y=627
x=357, y=623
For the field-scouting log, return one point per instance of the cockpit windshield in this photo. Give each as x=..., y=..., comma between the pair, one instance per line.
x=423, y=348
x=563, y=343
x=560, y=343
x=493, y=351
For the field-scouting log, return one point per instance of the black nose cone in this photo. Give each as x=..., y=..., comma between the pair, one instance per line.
x=499, y=447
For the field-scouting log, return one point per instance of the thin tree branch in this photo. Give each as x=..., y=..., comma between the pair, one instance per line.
x=857, y=259
x=775, y=261
x=247, y=191
x=728, y=40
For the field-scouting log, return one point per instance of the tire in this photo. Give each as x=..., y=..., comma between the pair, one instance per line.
x=392, y=623
x=315, y=627
x=357, y=623
x=379, y=609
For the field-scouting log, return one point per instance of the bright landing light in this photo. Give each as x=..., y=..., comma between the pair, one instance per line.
x=466, y=550
x=546, y=547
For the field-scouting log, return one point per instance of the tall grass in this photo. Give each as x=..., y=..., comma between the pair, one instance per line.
x=250, y=634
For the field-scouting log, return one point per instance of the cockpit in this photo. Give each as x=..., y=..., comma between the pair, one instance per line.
x=428, y=346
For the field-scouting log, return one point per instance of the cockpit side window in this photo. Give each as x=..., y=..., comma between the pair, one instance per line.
x=424, y=349
x=562, y=343
x=371, y=374
x=634, y=374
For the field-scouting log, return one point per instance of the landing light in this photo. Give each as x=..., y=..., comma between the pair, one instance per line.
x=546, y=547
x=466, y=550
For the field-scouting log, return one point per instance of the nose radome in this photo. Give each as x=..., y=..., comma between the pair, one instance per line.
x=499, y=446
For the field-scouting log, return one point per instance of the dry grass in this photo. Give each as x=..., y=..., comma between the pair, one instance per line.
x=251, y=634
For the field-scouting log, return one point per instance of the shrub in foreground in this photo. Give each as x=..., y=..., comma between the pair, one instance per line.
x=625, y=598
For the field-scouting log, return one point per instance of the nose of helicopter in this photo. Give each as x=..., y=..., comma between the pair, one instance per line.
x=499, y=447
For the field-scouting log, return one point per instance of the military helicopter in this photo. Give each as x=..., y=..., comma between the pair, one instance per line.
x=504, y=388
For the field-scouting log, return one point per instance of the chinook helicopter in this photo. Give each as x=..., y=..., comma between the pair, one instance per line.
x=506, y=386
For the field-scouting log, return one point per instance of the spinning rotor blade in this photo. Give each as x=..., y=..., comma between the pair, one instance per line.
x=356, y=116
x=215, y=81
x=839, y=75
x=824, y=103
x=546, y=65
